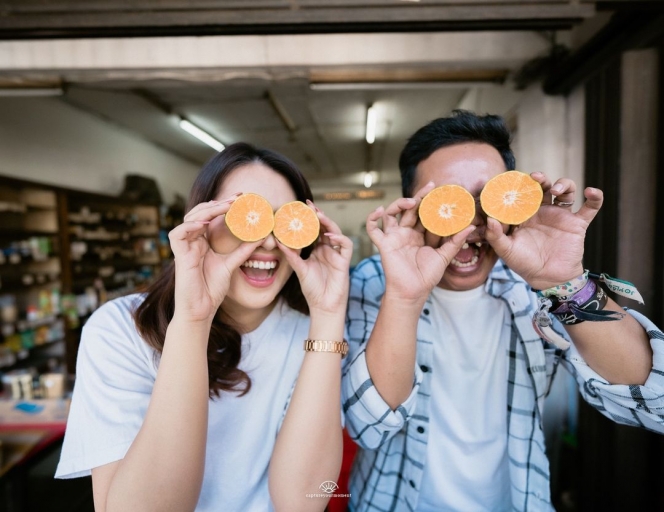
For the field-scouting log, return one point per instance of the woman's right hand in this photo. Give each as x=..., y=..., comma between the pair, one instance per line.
x=412, y=268
x=202, y=276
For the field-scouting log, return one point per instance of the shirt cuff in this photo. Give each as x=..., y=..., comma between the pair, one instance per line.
x=362, y=397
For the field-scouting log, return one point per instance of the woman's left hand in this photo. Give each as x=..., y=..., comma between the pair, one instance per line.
x=324, y=275
x=547, y=249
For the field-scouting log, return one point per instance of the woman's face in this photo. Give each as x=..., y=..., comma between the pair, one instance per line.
x=253, y=287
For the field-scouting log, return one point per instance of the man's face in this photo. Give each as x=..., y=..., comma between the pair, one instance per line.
x=469, y=165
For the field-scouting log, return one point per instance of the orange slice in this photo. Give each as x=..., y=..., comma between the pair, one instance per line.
x=296, y=225
x=512, y=197
x=250, y=217
x=447, y=210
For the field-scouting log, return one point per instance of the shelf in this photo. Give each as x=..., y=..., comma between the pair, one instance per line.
x=23, y=324
x=23, y=234
x=26, y=356
x=61, y=215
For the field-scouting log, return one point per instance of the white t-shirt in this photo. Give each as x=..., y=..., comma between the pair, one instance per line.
x=115, y=374
x=466, y=465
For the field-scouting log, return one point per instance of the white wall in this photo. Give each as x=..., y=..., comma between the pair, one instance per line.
x=46, y=140
x=550, y=134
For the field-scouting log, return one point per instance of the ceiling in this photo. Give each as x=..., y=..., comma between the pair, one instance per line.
x=305, y=96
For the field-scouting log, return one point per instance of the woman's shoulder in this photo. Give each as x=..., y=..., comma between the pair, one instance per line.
x=117, y=311
x=112, y=324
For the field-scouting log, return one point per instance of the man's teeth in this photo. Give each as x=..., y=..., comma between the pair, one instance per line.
x=473, y=260
x=263, y=265
x=470, y=263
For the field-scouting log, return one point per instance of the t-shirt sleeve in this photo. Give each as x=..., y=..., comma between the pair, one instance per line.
x=115, y=373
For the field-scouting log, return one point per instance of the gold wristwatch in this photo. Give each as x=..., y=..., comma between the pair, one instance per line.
x=337, y=347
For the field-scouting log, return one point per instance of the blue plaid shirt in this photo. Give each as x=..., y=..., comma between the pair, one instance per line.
x=388, y=469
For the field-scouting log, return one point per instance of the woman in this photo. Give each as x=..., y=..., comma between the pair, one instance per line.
x=180, y=393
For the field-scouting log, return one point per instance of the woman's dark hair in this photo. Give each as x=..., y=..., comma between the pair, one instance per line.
x=462, y=126
x=225, y=343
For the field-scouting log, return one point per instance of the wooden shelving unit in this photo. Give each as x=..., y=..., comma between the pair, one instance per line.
x=63, y=253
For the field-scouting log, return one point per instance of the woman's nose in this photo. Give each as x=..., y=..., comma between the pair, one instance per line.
x=269, y=243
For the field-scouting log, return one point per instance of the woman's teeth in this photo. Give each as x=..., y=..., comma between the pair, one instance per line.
x=262, y=265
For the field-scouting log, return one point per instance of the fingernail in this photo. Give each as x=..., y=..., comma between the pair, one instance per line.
x=202, y=221
x=557, y=188
x=330, y=234
x=214, y=201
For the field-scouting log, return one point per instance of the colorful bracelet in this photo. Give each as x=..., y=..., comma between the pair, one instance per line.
x=585, y=302
x=567, y=289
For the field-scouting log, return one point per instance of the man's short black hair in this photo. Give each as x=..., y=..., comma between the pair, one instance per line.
x=462, y=126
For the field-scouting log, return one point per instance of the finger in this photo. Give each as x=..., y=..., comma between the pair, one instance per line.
x=449, y=249
x=213, y=211
x=500, y=242
x=424, y=190
x=183, y=234
x=545, y=183
x=328, y=225
x=401, y=204
x=210, y=204
x=395, y=208
x=410, y=218
x=293, y=258
x=341, y=245
x=241, y=254
x=594, y=199
x=373, y=230
x=564, y=190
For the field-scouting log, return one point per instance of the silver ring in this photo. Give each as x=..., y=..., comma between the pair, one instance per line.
x=562, y=203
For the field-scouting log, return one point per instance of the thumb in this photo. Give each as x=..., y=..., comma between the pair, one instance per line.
x=450, y=248
x=500, y=242
x=293, y=258
x=241, y=254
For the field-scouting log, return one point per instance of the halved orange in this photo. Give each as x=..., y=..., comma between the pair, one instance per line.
x=250, y=217
x=296, y=225
x=512, y=197
x=447, y=210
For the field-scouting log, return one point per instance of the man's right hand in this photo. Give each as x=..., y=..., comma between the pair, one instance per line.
x=412, y=269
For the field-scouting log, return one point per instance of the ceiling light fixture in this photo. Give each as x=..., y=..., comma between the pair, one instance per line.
x=368, y=179
x=371, y=124
x=201, y=135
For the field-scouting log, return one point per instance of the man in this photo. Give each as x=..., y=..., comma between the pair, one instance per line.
x=445, y=382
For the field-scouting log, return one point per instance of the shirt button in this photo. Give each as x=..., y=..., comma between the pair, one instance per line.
x=424, y=368
x=426, y=311
x=420, y=430
x=412, y=484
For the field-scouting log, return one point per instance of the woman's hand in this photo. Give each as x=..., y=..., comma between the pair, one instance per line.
x=412, y=269
x=324, y=276
x=202, y=276
x=547, y=249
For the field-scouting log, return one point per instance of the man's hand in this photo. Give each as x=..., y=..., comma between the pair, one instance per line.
x=547, y=249
x=412, y=269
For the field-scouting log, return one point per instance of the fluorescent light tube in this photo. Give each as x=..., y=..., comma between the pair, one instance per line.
x=205, y=137
x=371, y=124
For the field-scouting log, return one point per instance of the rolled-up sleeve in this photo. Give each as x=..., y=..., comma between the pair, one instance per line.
x=634, y=405
x=369, y=419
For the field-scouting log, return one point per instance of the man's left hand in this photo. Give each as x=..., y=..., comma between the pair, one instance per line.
x=547, y=249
